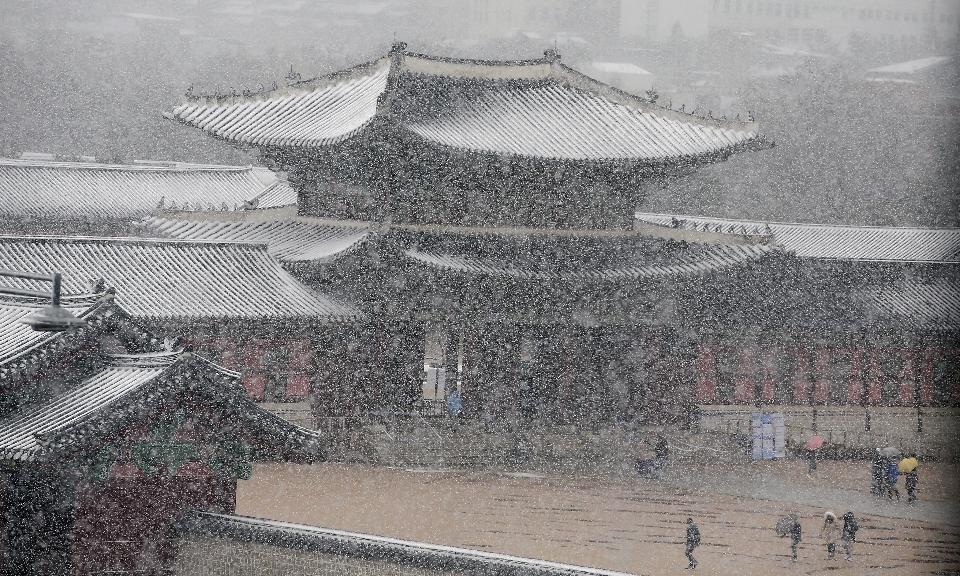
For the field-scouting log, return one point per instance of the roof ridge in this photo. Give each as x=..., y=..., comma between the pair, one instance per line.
x=174, y=166
x=129, y=240
x=639, y=216
x=307, y=85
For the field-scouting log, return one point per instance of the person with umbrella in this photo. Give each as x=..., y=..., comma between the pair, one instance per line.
x=790, y=525
x=813, y=444
x=908, y=467
x=893, y=473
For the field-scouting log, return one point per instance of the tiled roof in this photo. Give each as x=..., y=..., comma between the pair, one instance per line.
x=688, y=260
x=169, y=279
x=288, y=240
x=17, y=338
x=556, y=120
x=535, y=108
x=314, y=113
x=934, y=305
x=127, y=383
x=98, y=191
x=835, y=241
x=432, y=557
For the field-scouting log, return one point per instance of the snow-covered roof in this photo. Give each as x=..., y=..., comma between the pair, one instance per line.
x=288, y=240
x=133, y=385
x=578, y=259
x=50, y=189
x=931, y=305
x=17, y=339
x=830, y=241
x=910, y=66
x=535, y=108
x=174, y=280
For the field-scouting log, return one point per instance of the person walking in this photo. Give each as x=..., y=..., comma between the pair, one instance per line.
x=829, y=533
x=849, y=535
x=893, y=473
x=909, y=467
x=878, y=474
x=693, y=540
x=796, y=534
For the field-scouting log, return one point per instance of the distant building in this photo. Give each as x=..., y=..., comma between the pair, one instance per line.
x=811, y=24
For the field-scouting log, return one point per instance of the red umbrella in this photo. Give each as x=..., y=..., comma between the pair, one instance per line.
x=814, y=443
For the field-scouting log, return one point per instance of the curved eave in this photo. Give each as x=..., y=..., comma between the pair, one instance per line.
x=755, y=143
x=718, y=259
x=319, y=112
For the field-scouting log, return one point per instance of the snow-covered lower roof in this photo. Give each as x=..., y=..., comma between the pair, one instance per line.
x=580, y=259
x=174, y=280
x=831, y=241
x=84, y=190
x=921, y=305
x=288, y=240
x=133, y=385
x=17, y=338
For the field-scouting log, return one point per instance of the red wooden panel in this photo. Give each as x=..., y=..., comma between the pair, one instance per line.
x=908, y=377
x=301, y=354
x=768, y=380
x=253, y=379
x=926, y=376
x=745, y=383
x=875, y=379
x=801, y=377
x=821, y=385
x=298, y=386
x=707, y=375
x=855, y=382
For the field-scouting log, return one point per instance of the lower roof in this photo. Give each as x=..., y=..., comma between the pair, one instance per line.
x=78, y=190
x=17, y=339
x=677, y=260
x=128, y=385
x=829, y=241
x=288, y=240
x=173, y=280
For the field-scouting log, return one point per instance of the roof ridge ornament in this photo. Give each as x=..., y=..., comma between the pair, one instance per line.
x=292, y=76
x=552, y=55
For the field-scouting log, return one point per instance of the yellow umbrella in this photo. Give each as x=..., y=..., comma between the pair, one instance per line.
x=908, y=465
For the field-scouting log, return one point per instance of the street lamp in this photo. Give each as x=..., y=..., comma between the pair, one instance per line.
x=53, y=318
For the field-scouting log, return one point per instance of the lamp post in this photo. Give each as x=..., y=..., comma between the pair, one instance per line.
x=53, y=318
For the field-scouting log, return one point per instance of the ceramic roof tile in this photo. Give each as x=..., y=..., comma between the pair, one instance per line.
x=168, y=279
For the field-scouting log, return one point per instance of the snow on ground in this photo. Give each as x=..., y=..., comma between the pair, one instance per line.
x=631, y=525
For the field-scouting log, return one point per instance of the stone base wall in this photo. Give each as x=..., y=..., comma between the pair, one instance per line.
x=846, y=426
x=210, y=556
x=298, y=413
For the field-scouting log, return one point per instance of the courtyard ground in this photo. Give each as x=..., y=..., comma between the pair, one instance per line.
x=628, y=524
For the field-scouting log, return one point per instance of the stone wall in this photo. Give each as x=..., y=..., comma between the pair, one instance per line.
x=227, y=545
x=210, y=556
x=846, y=426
